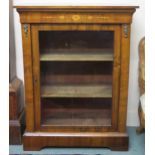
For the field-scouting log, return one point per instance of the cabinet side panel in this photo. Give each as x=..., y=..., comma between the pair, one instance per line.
x=125, y=55
x=26, y=39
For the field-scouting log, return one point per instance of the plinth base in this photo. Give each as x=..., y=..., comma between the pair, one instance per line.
x=38, y=140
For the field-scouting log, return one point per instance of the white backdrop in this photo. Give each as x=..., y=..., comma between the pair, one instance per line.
x=137, y=32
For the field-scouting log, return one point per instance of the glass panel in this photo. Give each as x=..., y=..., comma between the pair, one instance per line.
x=76, y=112
x=76, y=70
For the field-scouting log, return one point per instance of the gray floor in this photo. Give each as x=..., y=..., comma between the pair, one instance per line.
x=136, y=147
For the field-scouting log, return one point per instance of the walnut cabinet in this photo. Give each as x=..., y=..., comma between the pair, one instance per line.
x=76, y=66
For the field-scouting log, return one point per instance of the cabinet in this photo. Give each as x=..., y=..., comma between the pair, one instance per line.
x=16, y=91
x=76, y=64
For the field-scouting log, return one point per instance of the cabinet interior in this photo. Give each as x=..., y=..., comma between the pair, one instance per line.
x=76, y=69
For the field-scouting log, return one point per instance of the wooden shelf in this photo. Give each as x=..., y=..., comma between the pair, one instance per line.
x=77, y=117
x=83, y=91
x=78, y=55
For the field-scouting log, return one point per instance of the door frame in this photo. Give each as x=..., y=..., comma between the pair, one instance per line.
x=35, y=28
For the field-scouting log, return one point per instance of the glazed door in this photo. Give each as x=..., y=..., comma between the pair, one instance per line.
x=76, y=77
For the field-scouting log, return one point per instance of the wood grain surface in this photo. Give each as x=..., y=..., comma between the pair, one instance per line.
x=76, y=66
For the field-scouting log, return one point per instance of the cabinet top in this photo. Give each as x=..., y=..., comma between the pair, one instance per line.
x=76, y=14
x=77, y=8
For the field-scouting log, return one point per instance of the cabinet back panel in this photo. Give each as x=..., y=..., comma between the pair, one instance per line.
x=70, y=72
x=76, y=112
x=49, y=40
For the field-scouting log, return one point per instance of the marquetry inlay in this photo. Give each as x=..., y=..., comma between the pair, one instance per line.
x=76, y=17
